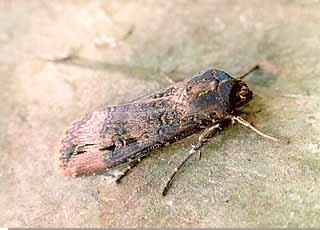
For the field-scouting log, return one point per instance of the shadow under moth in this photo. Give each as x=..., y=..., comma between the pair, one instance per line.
x=205, y=104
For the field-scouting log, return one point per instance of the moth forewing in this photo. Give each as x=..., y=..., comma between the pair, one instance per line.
x=116, y=134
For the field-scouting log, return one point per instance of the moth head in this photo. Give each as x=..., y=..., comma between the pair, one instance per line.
x=216, y=91
x=240, y=94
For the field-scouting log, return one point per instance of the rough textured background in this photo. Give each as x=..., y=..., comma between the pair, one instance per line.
x=125, y=49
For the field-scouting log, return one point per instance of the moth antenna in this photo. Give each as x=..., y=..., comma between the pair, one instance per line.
x=252, y=69
x=264, y=65
x=247, y=124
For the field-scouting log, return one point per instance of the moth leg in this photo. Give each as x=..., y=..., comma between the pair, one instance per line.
x=130, y=166
x=69, y=56
x=202, y=139
x=169, y=79
x=247, y=124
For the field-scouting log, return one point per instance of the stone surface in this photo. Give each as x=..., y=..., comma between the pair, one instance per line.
x=124, y=50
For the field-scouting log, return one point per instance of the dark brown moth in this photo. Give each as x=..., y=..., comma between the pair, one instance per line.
x=204, y=103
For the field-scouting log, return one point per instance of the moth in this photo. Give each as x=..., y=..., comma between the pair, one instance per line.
x=205, y=103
